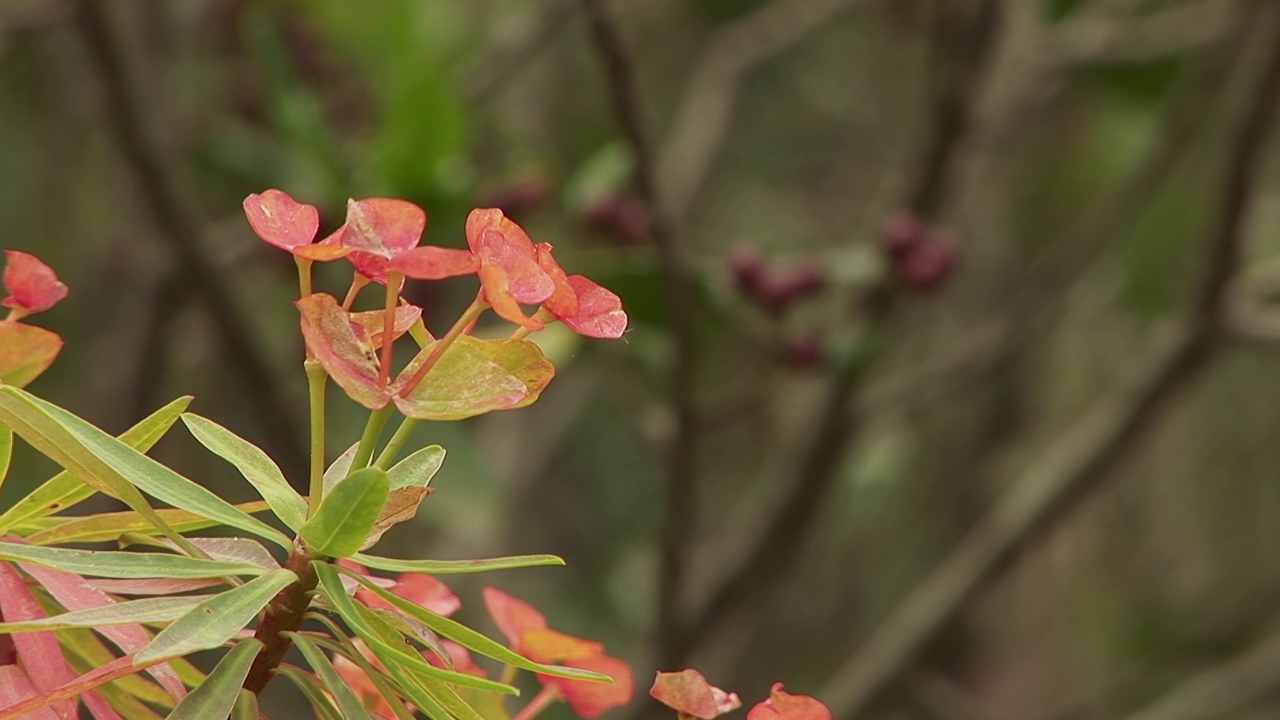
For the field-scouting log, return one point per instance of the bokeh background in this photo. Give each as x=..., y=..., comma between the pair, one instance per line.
x=950, y=387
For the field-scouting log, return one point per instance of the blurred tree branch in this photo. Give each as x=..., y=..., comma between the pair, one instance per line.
x=679, y=495
x=177, y=213
x=1177, y=29
x=1098, y=444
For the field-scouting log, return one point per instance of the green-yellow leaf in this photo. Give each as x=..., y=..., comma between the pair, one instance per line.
x=255, y=465
x=456, y=567
x=6, y=451
x=312, y=691
x=474, y=377
x=348, y=703
x=149, y=610
x=417, y=469
x=64, y=489
x=110, y=526
x=246, y=706
x=109, y=564
x=25, y=352
x=217, y=696
x=218, y=619
x=347, y=513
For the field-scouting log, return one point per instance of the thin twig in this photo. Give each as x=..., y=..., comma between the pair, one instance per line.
x=679, y=488
x=1094, y=447
x=1136, y=39
x=768, y=554
x=732, y=53
x=177, y=214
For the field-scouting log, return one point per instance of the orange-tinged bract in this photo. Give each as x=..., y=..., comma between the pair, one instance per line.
x=527, y=632
x=33, y=286
x=785, y=706
x=288, y=224
x=377, y=230
x=688, y=693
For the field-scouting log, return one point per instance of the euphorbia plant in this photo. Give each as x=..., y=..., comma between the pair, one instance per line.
x=110, y=629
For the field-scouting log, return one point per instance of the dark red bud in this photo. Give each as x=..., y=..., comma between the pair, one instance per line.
x=931, y=264
x=806, y=280
x=747, y=266
x=518, y=198
x=901, y=234
x=807, y=352
x=773, y=293
x=622, y=218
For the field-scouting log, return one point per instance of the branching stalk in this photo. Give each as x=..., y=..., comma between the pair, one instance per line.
x=435, y=351
x=316, y=377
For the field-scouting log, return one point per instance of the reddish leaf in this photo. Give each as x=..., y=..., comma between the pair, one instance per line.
x=482, y=220
x=689, y=693
x=512, y=616
x=39, y=653
x=434, y=263
x=74, y=592
x=564, y=301
x=401, y=506
x=368, y=326
x=25, y=352
x=590, y=699
x=33, y=286
x=153, y=586
x=522, y=277
x=326, y=327
x=376, y=230
x=599, y=313
x=15, y=687
x=545, y=645
x=114, y=670
x=280, y=220
x=460, y=658
x=785, y=706
x=474, y=377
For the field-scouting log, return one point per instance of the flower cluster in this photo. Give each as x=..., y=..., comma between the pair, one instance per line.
x=27, y=350
x=691, y=696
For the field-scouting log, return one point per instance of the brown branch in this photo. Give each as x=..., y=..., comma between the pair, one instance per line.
x=178, y=216
x=679, y=487
x=1168, y=32
x=712, y=92
x=785, y=530
x=488, y=80
x=1098, y=444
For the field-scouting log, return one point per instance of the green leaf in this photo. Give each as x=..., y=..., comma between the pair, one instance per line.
x=347, y=513
x=25, y=352
x=469, y=638
x=340, y=467
x=474, y=377
x=110, y=526
x=6, y=451
x=312, y=691
x=109, y=564
x=417, y=469
x=254, y=465
x=376, y=633
x=348, y=703
x=456, y=567
x=64, y=489
x=217, y=696
x=246, y=706
x=22, y=413
x=218, y=619
x=87, y=652
x=150, y=476
x=415, y=689
x=161, y=609
x=326, y=327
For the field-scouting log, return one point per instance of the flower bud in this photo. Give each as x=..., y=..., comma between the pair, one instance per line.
x=900, y=235
x=930, y=264
x=807, y=352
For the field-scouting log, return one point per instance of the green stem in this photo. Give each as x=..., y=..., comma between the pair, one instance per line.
x=388, y=328
x=396, y=444
x=316, y=377
x=436, y=350
x=372, y=431
x=304, y=275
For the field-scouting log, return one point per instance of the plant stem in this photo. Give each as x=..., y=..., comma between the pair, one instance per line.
x=435, y=351
x=372, y=431
x=15, y=315
x=539, y=703
x=358, y=282
x=316, y=377
x=284, y=614
x=304, y=275
x=396, y=443
x=388, y=328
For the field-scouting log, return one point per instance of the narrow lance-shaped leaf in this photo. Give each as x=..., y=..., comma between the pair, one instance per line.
x=471, y=639
x=26, y=351
x=148, y=610
x=15, y=687
x=153, y=478
x=38, y=652
x=111, y=526
x=254, y=465
x=456, y=567
x=246, y=706
x=366, y=625
x=110, y=564
x=347, y=514
x=215, y=699
x=474, y=377
x=64, y=489
x=218, y=619
x=311, y=690
x=348, y=703
x=85, y=651
x=417, y=469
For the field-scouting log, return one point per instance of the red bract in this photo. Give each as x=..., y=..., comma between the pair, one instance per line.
x=785, y=706
x=377, y=230
x=526, y=630
x=288, y=224
x=688, y=693
x=509, y=271
x=33, y=286
x=581, y=304
x=422, y=590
